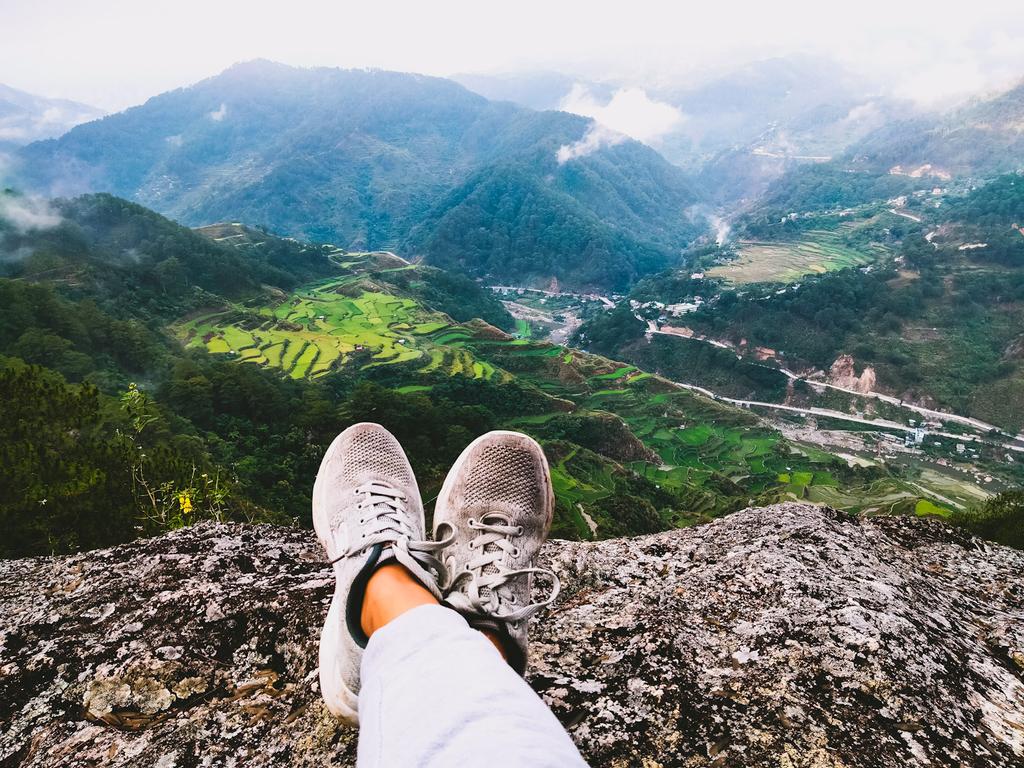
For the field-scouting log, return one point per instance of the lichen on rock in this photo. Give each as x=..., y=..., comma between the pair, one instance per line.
x=790, y=635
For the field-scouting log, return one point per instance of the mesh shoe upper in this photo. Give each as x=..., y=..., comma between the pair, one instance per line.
x=366, y=511
x=493, y=513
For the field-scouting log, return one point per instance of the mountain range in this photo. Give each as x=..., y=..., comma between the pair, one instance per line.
x=140, y=357
x=383, y=160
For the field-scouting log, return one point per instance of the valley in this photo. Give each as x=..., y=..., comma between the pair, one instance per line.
x=957, y=469
x=658, y=368
x=349, y=323
x=668, y=332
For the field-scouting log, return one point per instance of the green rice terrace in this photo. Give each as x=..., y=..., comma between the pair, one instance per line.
x=815, y=252
x=612, y=431
x=325, y=327
x=714, y=457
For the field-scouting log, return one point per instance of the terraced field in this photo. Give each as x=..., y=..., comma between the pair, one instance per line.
x=321, y=328
x=706, y=448
x=785, y=262
x=710, y=458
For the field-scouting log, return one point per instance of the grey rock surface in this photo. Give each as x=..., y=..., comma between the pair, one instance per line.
x=785, y=636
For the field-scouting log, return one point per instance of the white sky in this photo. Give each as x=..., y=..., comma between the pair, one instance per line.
x=114, y=53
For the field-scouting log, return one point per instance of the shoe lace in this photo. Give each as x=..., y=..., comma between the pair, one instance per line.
x=385, y=520
x=482, y=587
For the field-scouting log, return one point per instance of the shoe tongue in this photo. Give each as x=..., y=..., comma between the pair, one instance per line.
x=494, y=518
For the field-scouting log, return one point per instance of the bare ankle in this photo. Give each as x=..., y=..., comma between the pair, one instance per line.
x=390, y=592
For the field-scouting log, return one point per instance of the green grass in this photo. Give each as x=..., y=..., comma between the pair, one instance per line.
x=925, y=507
x=617, y=374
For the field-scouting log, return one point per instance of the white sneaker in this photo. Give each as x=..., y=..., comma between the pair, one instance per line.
x=366, y=512
x=495, y=507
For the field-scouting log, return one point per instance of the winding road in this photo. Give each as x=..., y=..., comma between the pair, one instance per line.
x=1016, y=441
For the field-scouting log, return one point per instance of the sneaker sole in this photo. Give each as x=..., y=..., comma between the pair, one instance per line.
x=341, y=701
x=453, y=473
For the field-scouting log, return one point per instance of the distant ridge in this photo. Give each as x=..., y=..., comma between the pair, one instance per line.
x=371, y=158
x=27, y=117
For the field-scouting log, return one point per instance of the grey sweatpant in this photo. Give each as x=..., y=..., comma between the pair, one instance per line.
x=436, y=693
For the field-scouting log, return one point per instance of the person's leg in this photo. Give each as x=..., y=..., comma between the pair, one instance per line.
x=429, y=690
x=437, y=693
x=368, y=515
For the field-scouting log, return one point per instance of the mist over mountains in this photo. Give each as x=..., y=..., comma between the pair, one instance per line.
x=490, y=184
x=26, y=117
x=383, y=160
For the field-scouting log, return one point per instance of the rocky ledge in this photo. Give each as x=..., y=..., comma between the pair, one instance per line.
x=785, y=636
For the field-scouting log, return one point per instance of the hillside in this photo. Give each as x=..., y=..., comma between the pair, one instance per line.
x=935, y=312
x=791, y=107
x=741, y=126
x=788, y=633
x=978, y=139
x=906, y=152
x=27, y=117
x=363, y=158
x=218, y=365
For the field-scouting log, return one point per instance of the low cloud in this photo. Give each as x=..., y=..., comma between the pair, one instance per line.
x=11, y=130
x=596, y=137
x=25, y=126
x=24, y=214
x=220, y=113
x=629, y=113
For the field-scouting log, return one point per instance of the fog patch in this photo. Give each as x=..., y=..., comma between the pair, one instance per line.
x=597, y=137
x=630, y=111
x=721, y=227
x=25, y=214
x=220, y=113
x=18, y=254
x=11, y=131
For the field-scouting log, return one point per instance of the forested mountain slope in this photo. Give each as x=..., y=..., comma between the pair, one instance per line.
x=156, y=376
x=907, y=152
x=980, y=138
x=934, y=309
x=376, y=160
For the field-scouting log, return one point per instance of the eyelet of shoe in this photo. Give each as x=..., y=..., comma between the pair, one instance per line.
x=471, y=522
x=467, y=569
x=519, y=530
x=515, y=552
